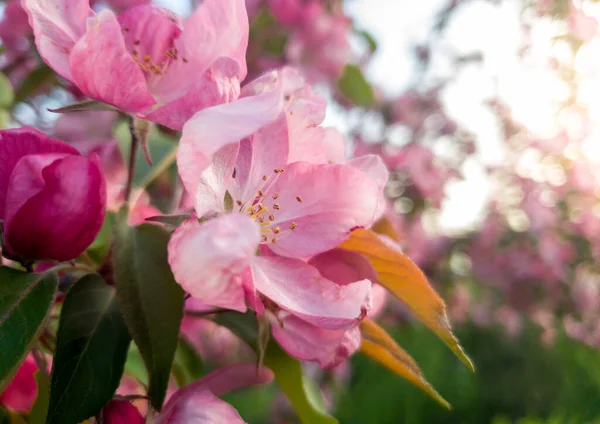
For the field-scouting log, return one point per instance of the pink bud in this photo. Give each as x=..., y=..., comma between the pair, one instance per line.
x=52, y=199
x=121, y=412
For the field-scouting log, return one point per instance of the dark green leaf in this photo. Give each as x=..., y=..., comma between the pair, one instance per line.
x=151, y=300
x=33, y=82
x=188, y=364
x=7, y=95
x=302, y=392
x=39, y=409
x=25, y=300
x=83, y=106
x=355, y=87
x=91, y=349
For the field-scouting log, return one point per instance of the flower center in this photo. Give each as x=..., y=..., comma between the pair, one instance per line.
x=263, y=208
x=153, y=60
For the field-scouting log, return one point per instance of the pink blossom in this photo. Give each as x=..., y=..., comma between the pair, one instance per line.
x=216, y=344
x=289, y=210
x=52, y=199
x=120, y=5
x=142, y=60
x=20, y=394
x=321, y=45
x=121, y=412
x=327, y=347
x=419, y=163
x=198, y=402
x=14, y=27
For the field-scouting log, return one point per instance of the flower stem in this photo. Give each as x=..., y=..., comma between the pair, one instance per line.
x=132, y=158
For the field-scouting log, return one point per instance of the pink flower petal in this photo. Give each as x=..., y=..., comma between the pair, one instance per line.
x=218, y=28
x=16, y=143
x=325, y=202
x=214, y=181
x=198, y=403
x=299, y=289
x=213, y=128
x=343, y=266
x=57, y=25
x=200, y=407
x=104, y=70
x=55, y=206
x=219, y=84
x=305, y=341
x=206, y=259
x=121, y=412
x=373, y=166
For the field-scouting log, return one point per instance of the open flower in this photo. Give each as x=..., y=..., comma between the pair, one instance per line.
x=198, y=402
x=288, y=211
x=148, y=60
x=52, y=199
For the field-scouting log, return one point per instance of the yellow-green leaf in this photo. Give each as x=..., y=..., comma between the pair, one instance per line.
x=404, y=279
x=378, y=345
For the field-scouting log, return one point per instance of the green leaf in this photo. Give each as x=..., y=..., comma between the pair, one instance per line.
x=83, y=106
x=25, y=300
x=302, y=392
x=7, y=95
x=39, y=409
x=188, y=364
x=151, y=300
x=91, y=349
x=355, y=87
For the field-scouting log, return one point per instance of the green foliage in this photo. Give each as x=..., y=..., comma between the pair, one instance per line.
x=150, y=299
x=355, y=87
x=91, y=349
x=25, y=300
x=515, y=379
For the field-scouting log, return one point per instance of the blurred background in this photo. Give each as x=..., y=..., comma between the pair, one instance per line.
x=487, y=114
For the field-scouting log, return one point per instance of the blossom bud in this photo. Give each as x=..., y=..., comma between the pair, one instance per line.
x=121, y=412
x=52, y=199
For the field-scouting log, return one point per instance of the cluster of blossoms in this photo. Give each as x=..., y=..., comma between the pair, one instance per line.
x=268, y=198
x=532, y=254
